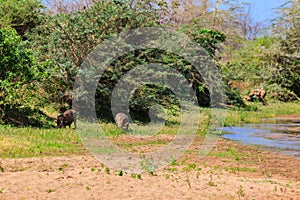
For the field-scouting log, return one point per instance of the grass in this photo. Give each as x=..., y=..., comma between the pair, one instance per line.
x=34, y=142
x=136, y=176
x=189, y=167
x=235, y=116
x=146, y=143
x=239, y=169
x=231, y=152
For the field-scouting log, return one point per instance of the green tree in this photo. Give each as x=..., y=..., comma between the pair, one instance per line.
x=286, y=59
x=208, y=39
x=272, y=61
x=64, y=40
x=21, y=15
x=18, y=69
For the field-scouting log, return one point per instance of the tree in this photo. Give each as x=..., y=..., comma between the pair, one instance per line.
x=233, y=18
x=208, y=39
x=286, y=59
x=18, y=69
x=65, y=6
x=272, y=60
x=64, y=40
x=21, y=15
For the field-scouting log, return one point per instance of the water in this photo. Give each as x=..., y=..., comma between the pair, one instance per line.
x=275, y=134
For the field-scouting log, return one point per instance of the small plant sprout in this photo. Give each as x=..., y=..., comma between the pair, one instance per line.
x=189, y=167
x=173, y=161
x=240, y=193
x=138, y=176
x=50, y=190
x=167, y=176
x=133, y=175
x=211, y=183
x=107, y=170
x=120, y=172
x=60, y=169
x=149, y=166
x=88, y=188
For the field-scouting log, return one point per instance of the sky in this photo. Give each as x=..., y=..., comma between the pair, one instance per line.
x=264, y=10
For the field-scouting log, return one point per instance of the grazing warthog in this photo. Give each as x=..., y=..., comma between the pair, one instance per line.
x=258, y=93
x=66, y=119
x=122, y=120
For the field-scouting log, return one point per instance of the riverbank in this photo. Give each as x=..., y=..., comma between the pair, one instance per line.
x=230, y=171
x=56, y=166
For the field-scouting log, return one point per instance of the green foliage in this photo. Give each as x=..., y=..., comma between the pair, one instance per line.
x=249, y=63
x=286, y=59
x=22, y=15
x=64, y=40
x=144, y=97
x=282, y=94
x=148, y=95
x=44, y=67
x=265, y=61
x=208, y=39
x=18, y=71
x=234, y=97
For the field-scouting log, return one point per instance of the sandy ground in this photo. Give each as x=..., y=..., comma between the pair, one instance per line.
x=253, y=174
x=292, y=117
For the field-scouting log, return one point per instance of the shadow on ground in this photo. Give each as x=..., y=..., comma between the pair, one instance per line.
x=21, y=116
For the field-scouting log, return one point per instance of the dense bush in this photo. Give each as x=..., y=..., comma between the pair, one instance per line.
x=42, y=50
x=18, y=71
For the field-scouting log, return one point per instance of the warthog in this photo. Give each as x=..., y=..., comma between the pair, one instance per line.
x=122, y=120
x=66, y=119
x=259, y=94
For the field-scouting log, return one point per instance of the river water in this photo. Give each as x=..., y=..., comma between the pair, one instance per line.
x=274, y=134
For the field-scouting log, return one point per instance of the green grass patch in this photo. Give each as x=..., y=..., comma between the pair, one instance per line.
x=146, y=143
x=236, y=169
x=231, y=152
x=241, y=116
x=32, y=142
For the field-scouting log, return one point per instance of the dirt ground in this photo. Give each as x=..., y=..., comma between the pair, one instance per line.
x=252, y=173
x=231, y=171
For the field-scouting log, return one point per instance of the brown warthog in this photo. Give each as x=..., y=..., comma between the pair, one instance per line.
x=259, y=94
x=122, y=120
x=66, y=119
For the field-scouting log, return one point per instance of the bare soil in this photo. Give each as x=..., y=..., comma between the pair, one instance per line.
x=292, y=117
x=248, y=173
x=289, y=116
x=230, y=171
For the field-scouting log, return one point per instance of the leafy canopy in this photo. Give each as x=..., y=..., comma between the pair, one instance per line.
x=17, y=67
